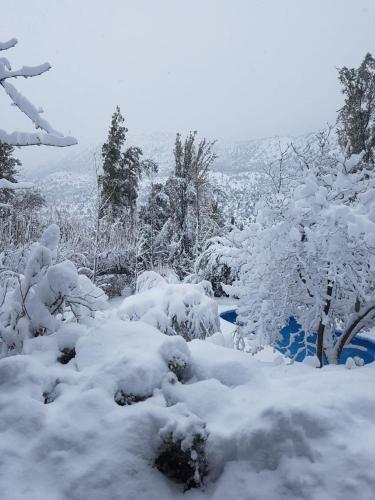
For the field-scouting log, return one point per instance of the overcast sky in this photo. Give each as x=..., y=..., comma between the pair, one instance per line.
x=232, y=69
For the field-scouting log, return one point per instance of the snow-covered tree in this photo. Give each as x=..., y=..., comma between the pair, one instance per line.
x=221, y=259
x=193, y=212
x=121, y=170
x=314, y=261
x=152, y=217
x=356, y=119
x=8, y=170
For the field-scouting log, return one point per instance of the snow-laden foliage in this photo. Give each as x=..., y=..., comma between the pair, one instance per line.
x=312, y=259
x=175, y=309
x=34, y=303
x=219, y=262
x=48, y=135
x=148, y=280
x=193, y=209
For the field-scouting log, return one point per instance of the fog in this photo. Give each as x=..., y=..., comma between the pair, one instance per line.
x=230, y=69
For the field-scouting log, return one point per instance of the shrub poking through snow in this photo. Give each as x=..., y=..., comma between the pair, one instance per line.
x=34, y=303
x=66, y=355
x=181, y=455
x=174, y=309
x=178, y=367
x=176, y=354
x=184, y=464
x=123, y=399
x=48, y=397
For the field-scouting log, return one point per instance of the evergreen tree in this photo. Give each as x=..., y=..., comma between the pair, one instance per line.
x=8, y=169
x=121, y=171
x=8, y=164
x=153, y=216
x=356, y=119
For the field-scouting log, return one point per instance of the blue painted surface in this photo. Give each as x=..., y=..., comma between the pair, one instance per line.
x=230, y=316
x=361, y=347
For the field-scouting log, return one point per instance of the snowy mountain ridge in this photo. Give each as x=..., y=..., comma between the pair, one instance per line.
x=232, y=157
x=69, y=183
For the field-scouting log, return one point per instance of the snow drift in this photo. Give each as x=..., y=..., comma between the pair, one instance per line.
x=64, y=437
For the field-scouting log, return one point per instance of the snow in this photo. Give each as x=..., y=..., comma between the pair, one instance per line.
x=179, y=308
x=274, y=431
x=36, y=139
x=5, y=184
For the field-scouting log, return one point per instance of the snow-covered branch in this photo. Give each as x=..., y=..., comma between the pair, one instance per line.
x=50, y=137
x=5, y=184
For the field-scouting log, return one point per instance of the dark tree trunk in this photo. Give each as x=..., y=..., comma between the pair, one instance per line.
x=347, y=335
x=321, y=327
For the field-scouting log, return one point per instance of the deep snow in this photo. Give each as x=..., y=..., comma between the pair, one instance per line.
x=275, y=431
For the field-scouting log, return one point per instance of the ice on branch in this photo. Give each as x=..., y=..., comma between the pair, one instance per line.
x=49, y=136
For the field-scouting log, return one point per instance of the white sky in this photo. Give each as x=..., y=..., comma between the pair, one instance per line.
x=232, y=69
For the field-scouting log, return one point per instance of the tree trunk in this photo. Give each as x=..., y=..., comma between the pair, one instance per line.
x=351, y=331
x=321, y=327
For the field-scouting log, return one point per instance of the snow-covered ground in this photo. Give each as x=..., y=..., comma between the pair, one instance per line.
x=275, y=431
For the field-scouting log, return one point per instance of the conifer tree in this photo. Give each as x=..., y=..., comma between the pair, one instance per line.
x=121, y=170
x=356, y=119
x=8, y=169
x=8, y=164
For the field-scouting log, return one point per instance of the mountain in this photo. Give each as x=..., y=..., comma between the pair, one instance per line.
x=69, y=183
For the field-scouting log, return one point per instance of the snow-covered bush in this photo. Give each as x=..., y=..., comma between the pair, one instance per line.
x=182, y=457
x=148, y=280
x=115, y=284
x=176, y=354
x=175, y=309
x=220, y=260
x=36, y=301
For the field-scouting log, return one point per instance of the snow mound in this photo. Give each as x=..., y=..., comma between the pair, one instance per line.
x=267, y=431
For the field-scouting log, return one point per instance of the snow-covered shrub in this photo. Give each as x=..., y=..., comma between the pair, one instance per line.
x=66, y=355
x=219, y=261
x=176, y=354
x=169, y=275
x=114, y=284
x=181, y=456
x=175, y=309
x=148, y=280
x=37, y=300
x=123, y=399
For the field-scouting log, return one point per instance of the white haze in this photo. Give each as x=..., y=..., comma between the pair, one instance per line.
x=231, y=69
